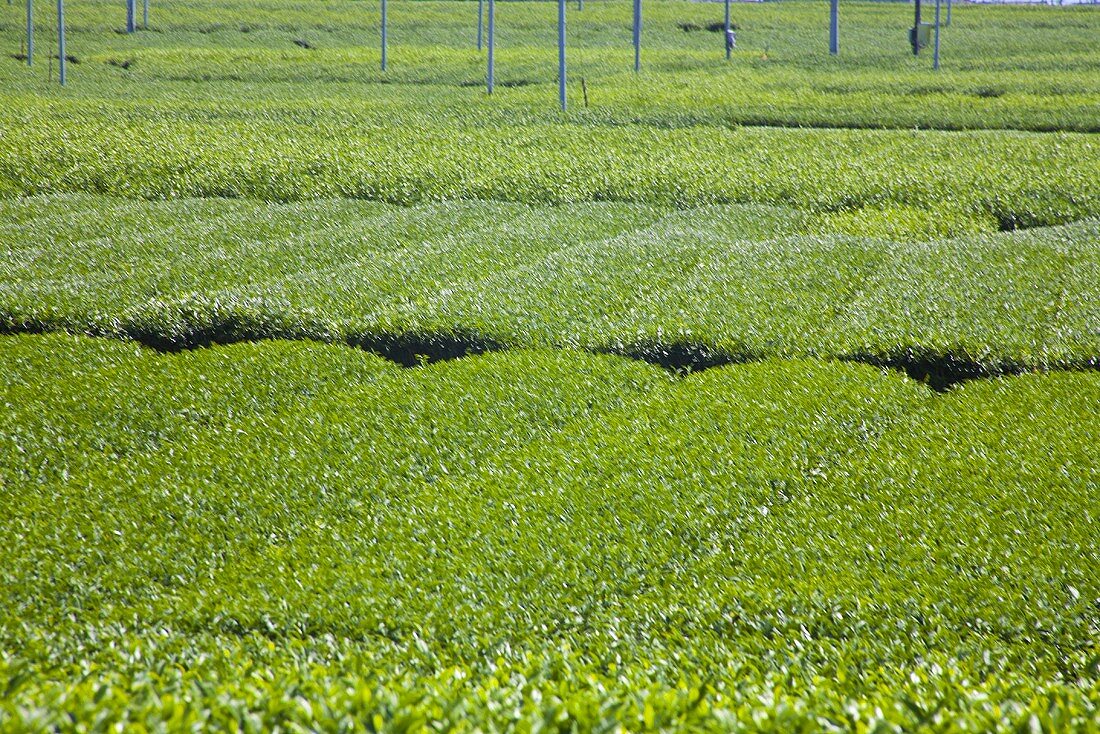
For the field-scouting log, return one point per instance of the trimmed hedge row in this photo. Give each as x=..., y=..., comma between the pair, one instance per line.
x=306, y=535
x=737, y=282
x=1011, y=180
x=1004, y=68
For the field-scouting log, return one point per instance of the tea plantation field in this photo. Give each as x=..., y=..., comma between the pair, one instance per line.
x=759, y=395
x=686, y=288
x=277, y=534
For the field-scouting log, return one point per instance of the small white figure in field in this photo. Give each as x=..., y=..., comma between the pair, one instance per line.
x=731, y=39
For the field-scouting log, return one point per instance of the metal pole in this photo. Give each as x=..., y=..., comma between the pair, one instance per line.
x=834, y=27
x=145, y=14
x=561, y=53
x=384, y=38
x=936, y=44
x=61, y=39
x=580, y=4
x=30, y=33
x=729, y=50
x=480, y=22
x=916, y=28
x=637, y=35
x=131, y=11
x=948, y=13
x=492, y=42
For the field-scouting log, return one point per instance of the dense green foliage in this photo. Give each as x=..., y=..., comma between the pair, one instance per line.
x=1013, y=179
x=204, y=109
x=275, y=533
x=742, y=281
x=1005, y=68
x=297, y=535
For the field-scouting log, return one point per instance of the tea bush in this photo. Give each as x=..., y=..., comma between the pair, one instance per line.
x=286, y=534
x=291, y=534
x=220, y=101
x=745, y=282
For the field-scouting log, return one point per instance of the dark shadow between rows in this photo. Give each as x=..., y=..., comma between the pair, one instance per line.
x=938, y=371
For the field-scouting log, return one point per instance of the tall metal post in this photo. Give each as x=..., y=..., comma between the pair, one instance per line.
x=834, y=27
x=480, y=22
x=131, y=11
x=580, y=4
x=492, y=43
x=948, y=13
x=145, y=14
x=30, y=33
x=61, y=39
x=936, y=43
x=916, y=28
x=561, y=53
x=637, y=35
x=729, y=50
x=384, y=38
